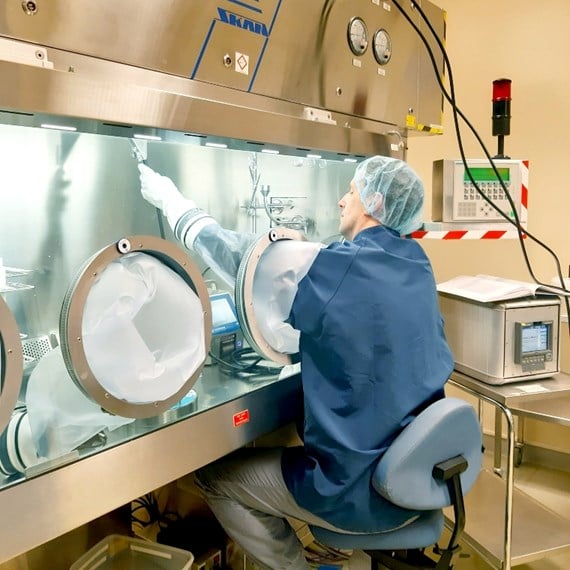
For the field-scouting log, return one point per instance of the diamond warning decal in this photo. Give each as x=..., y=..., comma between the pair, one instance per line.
x=242, y=63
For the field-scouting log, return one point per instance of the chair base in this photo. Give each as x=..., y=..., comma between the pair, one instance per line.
x=413, y=559
x=400, y=560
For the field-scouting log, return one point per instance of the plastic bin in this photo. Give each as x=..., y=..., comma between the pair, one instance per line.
x=117, y=552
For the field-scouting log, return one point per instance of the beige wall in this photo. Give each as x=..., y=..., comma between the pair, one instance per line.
x=529, y=43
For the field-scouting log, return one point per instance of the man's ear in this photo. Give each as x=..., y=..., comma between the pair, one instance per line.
x=373, y=203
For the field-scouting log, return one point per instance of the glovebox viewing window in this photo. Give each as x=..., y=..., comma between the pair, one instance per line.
x=136, y=326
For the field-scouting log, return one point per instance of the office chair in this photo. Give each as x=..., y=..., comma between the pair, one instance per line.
x=429, y=466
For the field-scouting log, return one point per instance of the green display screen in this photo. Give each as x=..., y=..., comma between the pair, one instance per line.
x=487, y=174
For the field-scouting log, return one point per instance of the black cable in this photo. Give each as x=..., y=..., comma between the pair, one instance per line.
x=148, y=504
x=245, y=364
x=456, y=111
x=230, y=365
x=521, y=232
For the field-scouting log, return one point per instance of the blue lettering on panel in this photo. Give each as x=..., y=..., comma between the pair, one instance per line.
x=243, y=23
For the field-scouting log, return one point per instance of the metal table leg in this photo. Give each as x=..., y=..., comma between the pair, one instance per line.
x=502, y=411
x=498, y=443
x=519, y=442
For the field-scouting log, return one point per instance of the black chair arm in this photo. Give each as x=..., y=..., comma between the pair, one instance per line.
x=450, y=467
x=450, y=471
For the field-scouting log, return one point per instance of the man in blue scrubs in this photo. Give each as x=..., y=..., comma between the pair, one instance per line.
x=373, y=355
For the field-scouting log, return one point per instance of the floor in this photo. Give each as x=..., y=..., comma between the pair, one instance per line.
x=550, y=487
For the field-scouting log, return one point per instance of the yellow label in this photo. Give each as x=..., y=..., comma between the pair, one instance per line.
x=431, y=129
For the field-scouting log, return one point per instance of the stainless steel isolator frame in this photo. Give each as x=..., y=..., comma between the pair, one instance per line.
x=11, y=364
x=71, y=320
x=244, y=292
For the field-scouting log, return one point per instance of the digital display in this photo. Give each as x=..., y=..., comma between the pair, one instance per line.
x=487, y=174
x=224, y=317
x=534, y=338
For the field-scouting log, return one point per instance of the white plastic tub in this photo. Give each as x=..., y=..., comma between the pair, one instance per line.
x=117, y=552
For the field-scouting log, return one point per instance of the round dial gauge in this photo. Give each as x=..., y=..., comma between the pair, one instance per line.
x=382, y=47
x=357, y=36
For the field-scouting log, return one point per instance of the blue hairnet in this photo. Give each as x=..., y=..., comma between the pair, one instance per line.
x=391, y=192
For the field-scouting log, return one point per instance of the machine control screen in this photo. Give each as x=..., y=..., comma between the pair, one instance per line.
x=224, y=316
x=533, y=345
x=487, y=174
x=534, y=338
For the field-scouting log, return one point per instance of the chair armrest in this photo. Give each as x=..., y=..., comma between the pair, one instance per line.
x=447, y=469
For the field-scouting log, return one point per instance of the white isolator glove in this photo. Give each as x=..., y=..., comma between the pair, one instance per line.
x=162, y=193
x=221, y=249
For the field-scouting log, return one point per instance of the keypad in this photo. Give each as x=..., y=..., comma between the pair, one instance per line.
x=533, y=363
x=475, y=206
x=493, y=191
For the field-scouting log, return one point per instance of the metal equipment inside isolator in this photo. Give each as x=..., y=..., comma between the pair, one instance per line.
x=105, y=321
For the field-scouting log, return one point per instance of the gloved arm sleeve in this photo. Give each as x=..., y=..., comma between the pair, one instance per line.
x=219, y=248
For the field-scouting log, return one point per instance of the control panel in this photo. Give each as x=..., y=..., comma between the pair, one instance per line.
x=226, y=332
x=533, y=345
x=457, y=190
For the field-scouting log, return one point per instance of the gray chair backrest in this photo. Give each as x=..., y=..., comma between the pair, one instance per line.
x=445, y=429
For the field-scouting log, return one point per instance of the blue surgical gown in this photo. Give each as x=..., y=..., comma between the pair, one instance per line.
x=373, y=355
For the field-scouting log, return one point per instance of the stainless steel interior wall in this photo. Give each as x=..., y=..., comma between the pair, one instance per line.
x=67, y=195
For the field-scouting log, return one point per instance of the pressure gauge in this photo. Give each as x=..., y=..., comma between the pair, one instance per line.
x=382, y=47
x=357, y=36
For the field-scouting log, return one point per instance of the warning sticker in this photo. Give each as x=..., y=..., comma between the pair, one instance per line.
x=242, y=63
x=241, y=418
